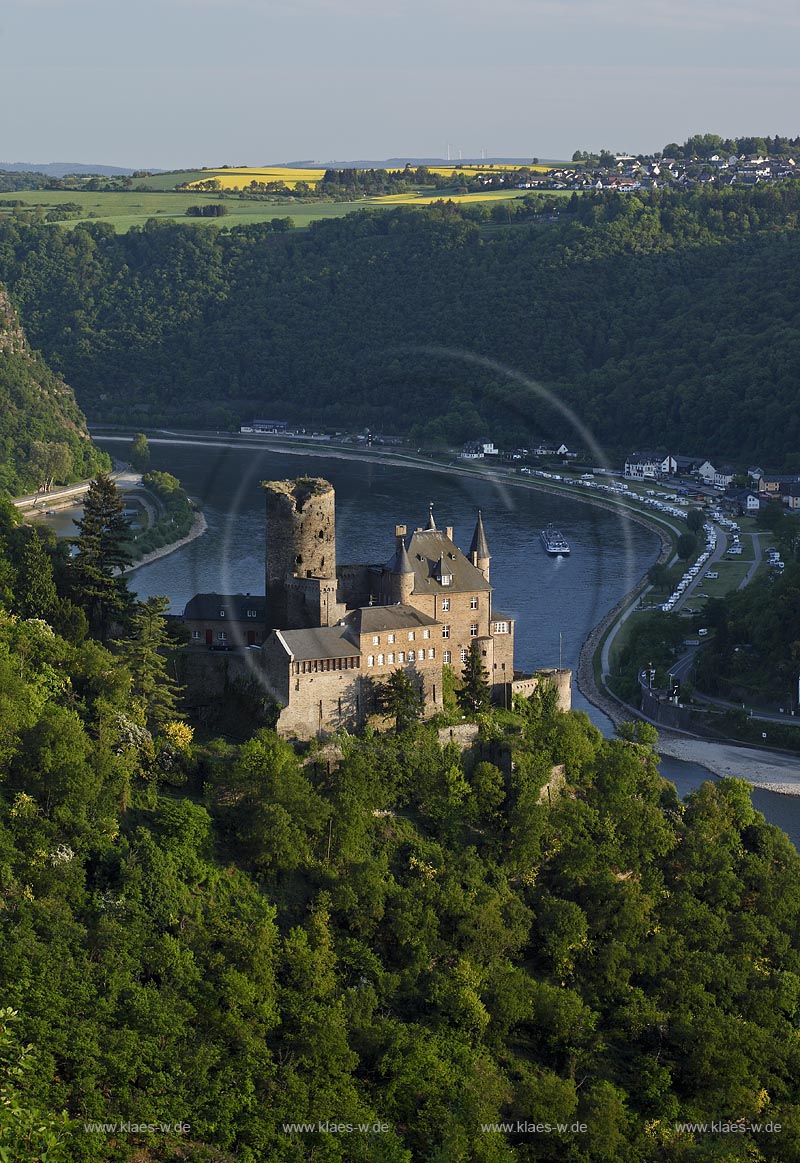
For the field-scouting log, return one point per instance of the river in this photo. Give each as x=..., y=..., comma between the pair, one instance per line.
x=556, y=601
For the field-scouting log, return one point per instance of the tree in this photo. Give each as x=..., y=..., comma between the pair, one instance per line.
x=101, y=552
x=36, y=590
x=687, y=544
x=140, y=452
x=400, y=697
x=48, y=460
x=694, y=519
x=475, y=691
x=659, y=576
x=141, y=653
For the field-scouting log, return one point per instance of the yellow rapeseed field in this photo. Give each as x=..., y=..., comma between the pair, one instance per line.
x=237, y=179
x=442, y=196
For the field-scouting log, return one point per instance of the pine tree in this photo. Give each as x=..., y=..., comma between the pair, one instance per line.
x=475, y=691
x=141, y=653
x=36, y=589
x=399, y=697
x=101, y=552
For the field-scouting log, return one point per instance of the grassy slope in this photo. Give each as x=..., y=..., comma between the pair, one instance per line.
x=133, y=208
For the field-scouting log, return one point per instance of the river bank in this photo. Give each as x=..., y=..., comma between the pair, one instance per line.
x=199, y=526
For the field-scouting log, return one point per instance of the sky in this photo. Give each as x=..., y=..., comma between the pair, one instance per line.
x=182, y=83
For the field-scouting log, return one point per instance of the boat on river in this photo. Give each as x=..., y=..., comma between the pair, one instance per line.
x=554, y=542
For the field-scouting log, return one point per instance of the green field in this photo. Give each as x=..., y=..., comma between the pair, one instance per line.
x=124, y=209
x=731, y=573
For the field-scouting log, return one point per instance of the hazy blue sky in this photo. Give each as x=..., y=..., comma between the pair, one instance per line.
x=185, y=82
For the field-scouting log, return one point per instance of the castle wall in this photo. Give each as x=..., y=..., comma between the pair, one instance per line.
x=324, y=702
x=560, y=679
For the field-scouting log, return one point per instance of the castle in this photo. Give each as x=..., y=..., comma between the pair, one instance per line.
x=331, y=633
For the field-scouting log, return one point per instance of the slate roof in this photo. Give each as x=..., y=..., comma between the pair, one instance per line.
x=317, y=642
x=377, y=619
x=207, y=607
x=342, y=641
x=431, y=552
x=479, y=544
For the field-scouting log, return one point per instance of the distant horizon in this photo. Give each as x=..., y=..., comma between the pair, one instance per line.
x=157, y=84
x=59, y=169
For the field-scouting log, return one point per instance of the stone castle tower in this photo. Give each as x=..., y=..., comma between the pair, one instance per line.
x=301, y=584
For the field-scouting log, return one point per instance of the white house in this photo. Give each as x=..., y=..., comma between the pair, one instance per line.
x=648, y=465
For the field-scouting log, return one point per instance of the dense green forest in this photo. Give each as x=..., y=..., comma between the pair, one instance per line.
x=661, y=318
x=43, y=436
x=233, y=936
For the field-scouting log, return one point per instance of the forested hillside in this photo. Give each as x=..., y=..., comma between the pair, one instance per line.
x=661, y=318
x=233, y=937
x=43, y=434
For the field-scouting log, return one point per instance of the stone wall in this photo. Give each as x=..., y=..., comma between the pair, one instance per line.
x=560, y=679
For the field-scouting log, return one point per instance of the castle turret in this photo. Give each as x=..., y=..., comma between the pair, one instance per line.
x=301, y=554
x=431, y=526
x=479, y=550
x=401, y=570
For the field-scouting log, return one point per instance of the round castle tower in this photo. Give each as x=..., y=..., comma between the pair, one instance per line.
x=301, y=553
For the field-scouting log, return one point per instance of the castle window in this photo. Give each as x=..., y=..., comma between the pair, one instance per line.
x=252, y=613
x=411, y=635
x=390, y=659
x=445, y=631
x=375, y=640
x=426, y=633
x=431, y=652
x=473, y=630
x=391, y=638
x=473, y=603
x=464, y=654
x=380, y=660
x=446, y=579
x=222, y=636
x=501, y=627
x=412, y=656
x=447, y=658
x=445, y=603
x=401, y=657
x=195, y=633
x=222, y=613
x=370, y=660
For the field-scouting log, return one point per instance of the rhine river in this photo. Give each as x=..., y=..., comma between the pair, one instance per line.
x=556, y=602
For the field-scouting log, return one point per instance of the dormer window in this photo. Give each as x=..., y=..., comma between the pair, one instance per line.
x=252, y=613
x=447, y=579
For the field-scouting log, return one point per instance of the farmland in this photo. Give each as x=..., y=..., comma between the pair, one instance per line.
x=124, y=209
x=238, y=178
